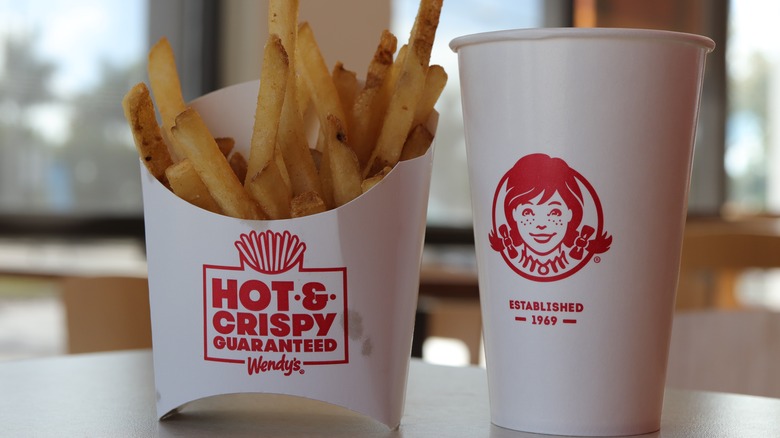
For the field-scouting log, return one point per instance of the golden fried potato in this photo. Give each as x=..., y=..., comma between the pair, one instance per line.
x=139, y=113
x=198, y=144
x=408, y=89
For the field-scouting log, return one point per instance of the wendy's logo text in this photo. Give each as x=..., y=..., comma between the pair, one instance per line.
x=270, y=311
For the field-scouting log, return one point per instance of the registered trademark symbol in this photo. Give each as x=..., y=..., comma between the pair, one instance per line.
x=302, y=371
x=597, y=259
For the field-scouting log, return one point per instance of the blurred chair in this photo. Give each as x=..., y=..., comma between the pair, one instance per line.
x=448, y=306
x=727, y=351
x=716, y=251
x=106, y=313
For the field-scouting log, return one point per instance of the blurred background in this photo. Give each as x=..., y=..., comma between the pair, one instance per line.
x=70, y=194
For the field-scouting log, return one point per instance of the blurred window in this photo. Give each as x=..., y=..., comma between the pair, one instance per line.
x=752, y=159
x=65, y=149
x=67, y=161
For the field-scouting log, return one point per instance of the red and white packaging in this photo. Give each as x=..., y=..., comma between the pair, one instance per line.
x=320, y=307
x=579, y=146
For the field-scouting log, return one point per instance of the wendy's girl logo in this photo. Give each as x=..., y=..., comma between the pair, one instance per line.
x=272, y=313
x=547, y=219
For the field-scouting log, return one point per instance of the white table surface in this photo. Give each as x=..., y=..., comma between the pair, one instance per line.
x=112, y=395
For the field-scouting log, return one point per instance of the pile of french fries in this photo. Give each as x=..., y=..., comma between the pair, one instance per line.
x=364, y=128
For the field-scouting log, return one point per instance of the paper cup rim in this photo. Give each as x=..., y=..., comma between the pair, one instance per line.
x=579, y=33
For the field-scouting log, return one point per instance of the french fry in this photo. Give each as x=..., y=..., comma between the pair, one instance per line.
x=311, y=64
x=166, y=89
x=417, y=143
x=366, y=114
x=266, y=177
x=371, y=181
x=270, y=99
x=291, y=138
x=283, y=21
x=388, y=87
x=307, y=204
x=363, y=131
x=268, y=189
x=187, y=185
x=140, y=115
x=192, y=134
x=292, y=141
x=411, y=83
x=279, y=158
x=304, y=97
x=339, y=170
x=346, y=86
x=435, y=81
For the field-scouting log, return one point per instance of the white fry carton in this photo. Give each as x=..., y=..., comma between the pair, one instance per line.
x=320, y=307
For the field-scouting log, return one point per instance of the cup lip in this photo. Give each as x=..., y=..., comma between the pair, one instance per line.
x=581, y=32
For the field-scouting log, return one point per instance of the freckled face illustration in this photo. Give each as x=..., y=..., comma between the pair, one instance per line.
x=538, y=213
x=542, y=225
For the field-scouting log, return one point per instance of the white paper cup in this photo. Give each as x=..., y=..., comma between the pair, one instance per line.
x=579, y=146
